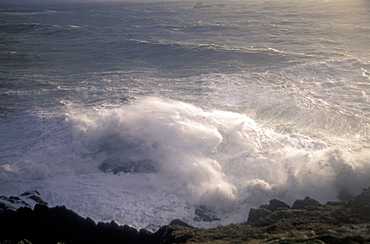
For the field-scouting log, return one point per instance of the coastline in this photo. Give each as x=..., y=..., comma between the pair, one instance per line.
x=306, y=221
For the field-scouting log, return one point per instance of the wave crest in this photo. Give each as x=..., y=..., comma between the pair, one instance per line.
x=215, y=158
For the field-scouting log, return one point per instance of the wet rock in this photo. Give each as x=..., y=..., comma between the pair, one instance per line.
x=307, y=222
x=12, y=203
x=205, y=214
x=27, y=199
x=35, y=196
x=59, y=224
x=115, y=166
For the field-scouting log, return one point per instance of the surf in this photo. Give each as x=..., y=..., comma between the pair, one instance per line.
x=216, y=158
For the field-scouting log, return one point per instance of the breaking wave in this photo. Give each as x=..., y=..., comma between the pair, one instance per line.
x=215, y=158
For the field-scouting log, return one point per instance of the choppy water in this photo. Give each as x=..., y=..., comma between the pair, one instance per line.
x=224, y=107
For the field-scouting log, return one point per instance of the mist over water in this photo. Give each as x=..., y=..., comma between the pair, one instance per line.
x=139, y=113
x=218, y=156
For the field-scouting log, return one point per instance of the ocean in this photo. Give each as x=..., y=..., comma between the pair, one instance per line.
x=146, y=112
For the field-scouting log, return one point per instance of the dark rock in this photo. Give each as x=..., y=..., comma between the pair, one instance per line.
x=115, y=166
x=13, y=199
x=307, y=203
x=275, y=205
x=360, y=205
x=35, y=196
x=334, y=203
x=12, y=203
x=31, y=192
x=257, y=214
x=175, y=234
x=145, y=232
x=90, y=223
x=59, y=224
x=180, y=223
x=27, y=199
x=307, y=222
x=3, y=207
x=345, y=196
x=265, y=214
x=205, y=214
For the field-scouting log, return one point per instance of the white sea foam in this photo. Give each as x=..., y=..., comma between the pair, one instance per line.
x=222, y=160
x=218, y=159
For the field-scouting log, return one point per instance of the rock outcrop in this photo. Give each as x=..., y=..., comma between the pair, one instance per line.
x=306, y=221
x=204, y=214
x=116, y=165
x=60, y=225
x=28, y=199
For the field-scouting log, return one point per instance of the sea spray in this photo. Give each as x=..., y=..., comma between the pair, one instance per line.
x=220, y=159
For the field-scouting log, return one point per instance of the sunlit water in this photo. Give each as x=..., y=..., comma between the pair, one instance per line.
x=222, y=107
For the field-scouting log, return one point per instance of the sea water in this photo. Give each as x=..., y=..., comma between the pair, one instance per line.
x=143, y=112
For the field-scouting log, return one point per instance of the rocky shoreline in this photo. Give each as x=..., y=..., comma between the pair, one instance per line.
x=28, y=219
